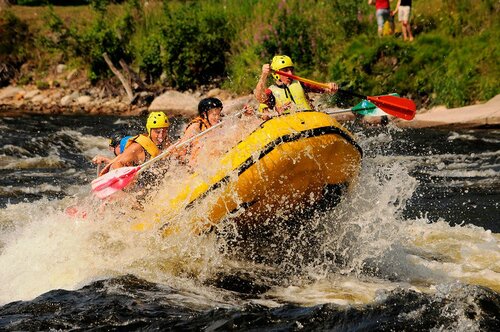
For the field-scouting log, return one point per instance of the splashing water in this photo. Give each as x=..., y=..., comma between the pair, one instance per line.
x=365, y=251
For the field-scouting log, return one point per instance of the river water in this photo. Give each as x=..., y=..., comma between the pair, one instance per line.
x=413, y=247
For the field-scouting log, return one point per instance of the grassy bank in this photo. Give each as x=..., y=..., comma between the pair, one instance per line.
x=454, y=59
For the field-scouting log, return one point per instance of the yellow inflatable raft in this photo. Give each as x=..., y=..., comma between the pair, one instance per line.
x=289, y=163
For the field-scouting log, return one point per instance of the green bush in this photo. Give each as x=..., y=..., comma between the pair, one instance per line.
x=92, y=43
x=16, y=45
x=277, y=27
x=290, y=34
x=149, y=57
x=243, y=75
x=347, y=22
x=103, y=35
x=196, y=42
x=16, y=41
x=58, y=36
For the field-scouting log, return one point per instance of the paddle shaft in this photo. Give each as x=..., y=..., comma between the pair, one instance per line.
x=346, y=110
x=352, y=109
x=179, y=144
x=99, y=166
x=317, y=84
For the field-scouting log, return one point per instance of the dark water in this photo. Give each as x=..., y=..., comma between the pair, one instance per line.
x=415, y=247
x=146, y=306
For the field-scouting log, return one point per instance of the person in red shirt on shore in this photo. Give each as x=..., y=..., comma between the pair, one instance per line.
x=383, y=14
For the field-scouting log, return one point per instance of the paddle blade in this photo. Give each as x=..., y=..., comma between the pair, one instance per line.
x=368, y=109
x=399, y=107
x=113, y=181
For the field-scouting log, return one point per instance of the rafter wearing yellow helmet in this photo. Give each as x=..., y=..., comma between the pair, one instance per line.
x=143, y=147
x=286, y=95
x=156, y=120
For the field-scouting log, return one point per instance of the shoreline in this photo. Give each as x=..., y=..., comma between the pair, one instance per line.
x=16, y=101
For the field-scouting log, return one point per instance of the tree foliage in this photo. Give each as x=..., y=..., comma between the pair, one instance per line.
x=196, y=42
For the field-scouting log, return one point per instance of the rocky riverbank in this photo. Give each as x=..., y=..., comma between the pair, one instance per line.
x=30, y=100
x=16, y=101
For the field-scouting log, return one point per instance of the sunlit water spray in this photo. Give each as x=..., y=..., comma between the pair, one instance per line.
x=43, y=248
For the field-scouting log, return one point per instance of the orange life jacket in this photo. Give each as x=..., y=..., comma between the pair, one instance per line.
x=204, y=124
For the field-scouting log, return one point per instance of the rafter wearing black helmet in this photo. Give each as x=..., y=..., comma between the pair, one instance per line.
x=206, y=105
x=209, y=114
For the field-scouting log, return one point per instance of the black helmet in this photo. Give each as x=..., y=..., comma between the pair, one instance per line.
x=207, y=104
x=115, y=139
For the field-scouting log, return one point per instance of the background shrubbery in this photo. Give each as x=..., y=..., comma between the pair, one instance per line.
x=454, y=59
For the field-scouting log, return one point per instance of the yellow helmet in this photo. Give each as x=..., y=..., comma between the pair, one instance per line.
x=156, y=120
x=279, y=62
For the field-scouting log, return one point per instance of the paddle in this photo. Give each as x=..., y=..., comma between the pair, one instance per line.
x=119, y=178
x=99, y=166
x=397, y=106
x=364, y=108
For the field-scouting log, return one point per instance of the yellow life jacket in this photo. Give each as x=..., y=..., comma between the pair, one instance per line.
x=147, y=144
x=204, y=124
x=292, y=93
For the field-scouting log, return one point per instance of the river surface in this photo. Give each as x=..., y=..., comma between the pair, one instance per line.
x=413, y=247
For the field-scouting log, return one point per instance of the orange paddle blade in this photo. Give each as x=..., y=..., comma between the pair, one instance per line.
x=399, y=107
x=113, y=181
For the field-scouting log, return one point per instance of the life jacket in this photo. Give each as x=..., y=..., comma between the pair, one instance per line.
x=292, y=93
x=193, y=149
x=204, y=124
x=150, y=148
